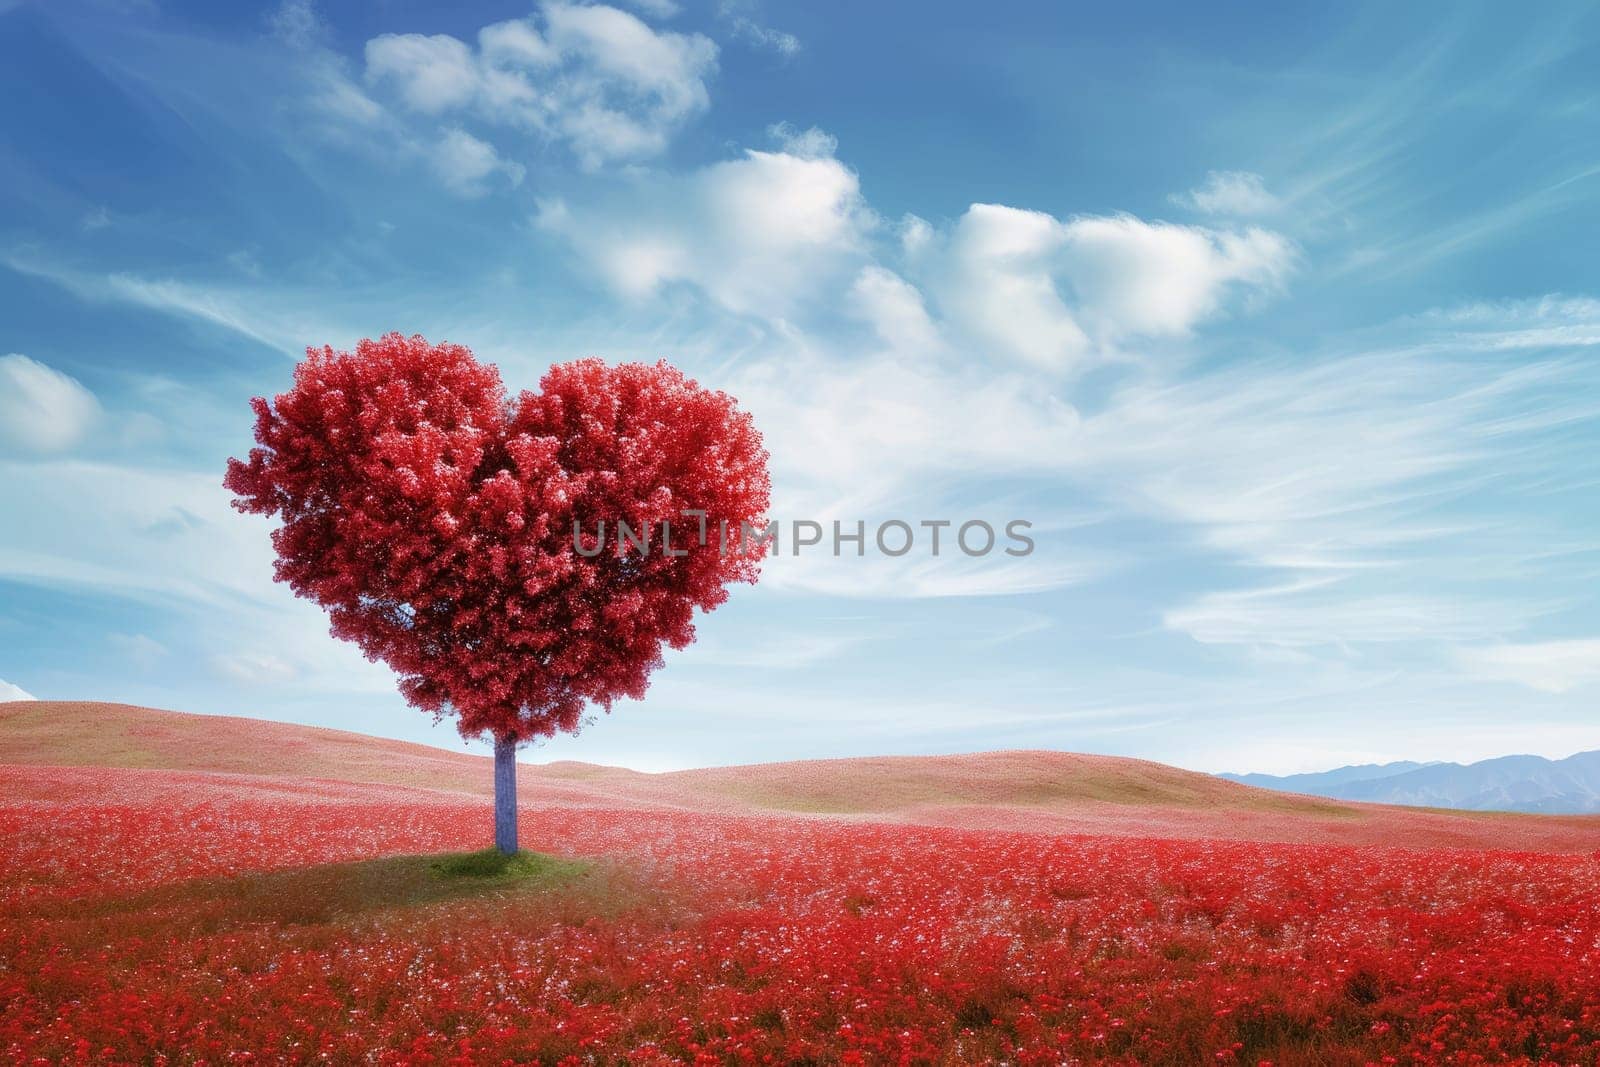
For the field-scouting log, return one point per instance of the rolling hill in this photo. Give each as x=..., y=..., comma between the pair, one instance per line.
x=1044, y=791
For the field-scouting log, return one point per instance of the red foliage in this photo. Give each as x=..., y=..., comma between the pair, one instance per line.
x=735, y=939
x=434, y=520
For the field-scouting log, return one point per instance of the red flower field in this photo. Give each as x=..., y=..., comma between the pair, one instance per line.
x=157, y=909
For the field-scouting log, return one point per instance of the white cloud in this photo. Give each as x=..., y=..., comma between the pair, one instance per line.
x=464, y=164
x=916, y=235
x=140, y=533
x=432, y=74
x=1230, y=192
x=141, y=649
x=895, y=310
x=98, y=219
x=296, y=23
x=765, y=233
x=769, y=650
x=1151, y=279
x=656, y=9
x=885, y=435
x=1314, y=612
x=1305, y=465
x=1345, y=480
x=337, y=97
x=591, y=76
x=1313, y=465
x=1000, y=286
x=1049, y=292
x=169, y=539
x=42, y=410
x=1541, y=322
x=274, y=318
x=739, y=15
x=514, y=44
x=810, y=143
x=759, y=235
x=254, y=668
x=1327, y=474
x=9, y=692
x=332, y=94
x=919, y=576
x=1547, y=666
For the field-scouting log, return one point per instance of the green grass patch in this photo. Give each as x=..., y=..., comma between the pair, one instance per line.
x=338, y=893
x=491, y=863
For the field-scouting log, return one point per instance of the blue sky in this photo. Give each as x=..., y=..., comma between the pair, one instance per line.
x=1281, y=327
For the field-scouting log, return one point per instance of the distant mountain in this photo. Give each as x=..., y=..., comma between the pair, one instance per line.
x=1317, y=782
x=1509, y=783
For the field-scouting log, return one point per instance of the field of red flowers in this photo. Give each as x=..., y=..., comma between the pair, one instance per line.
x=157, y=916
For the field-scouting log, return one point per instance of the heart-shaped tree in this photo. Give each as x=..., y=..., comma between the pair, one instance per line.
x=439, y=525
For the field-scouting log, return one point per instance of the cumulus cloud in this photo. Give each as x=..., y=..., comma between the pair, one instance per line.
x=1047, y=291
x=1151, y=279
x=42, y=410
x=1316, y=471
x=1230, y=192
x=1000, y=285
x=431, y=74
x=895, y=310
x=593, y=77
x=759, y=234
x=763, y=233
x=9, y=692
x=916, y=235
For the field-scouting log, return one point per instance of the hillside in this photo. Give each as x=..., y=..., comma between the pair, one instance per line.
x=1032, y=790
x=91, y=734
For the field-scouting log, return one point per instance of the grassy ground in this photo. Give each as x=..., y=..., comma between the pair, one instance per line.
x=338, y=893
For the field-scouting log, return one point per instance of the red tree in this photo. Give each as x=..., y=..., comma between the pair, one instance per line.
x=436, y=522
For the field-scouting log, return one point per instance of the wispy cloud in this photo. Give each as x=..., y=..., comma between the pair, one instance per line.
x=744, y=22
x=284, y=320
x=465, y=164
x=1337, y=610
x=1546, y=666
x=41, y=409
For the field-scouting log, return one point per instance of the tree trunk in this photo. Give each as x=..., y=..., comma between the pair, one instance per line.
x=505, y=795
